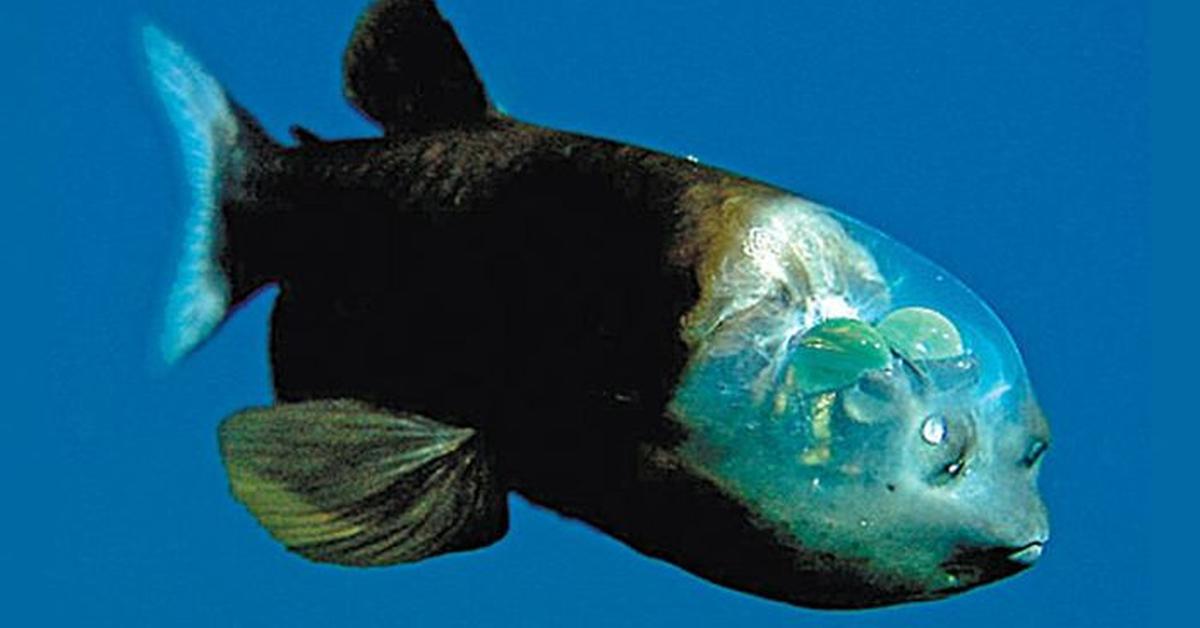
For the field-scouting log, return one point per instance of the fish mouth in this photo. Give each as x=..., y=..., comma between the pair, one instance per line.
x=973, y=566
x=1027, y=554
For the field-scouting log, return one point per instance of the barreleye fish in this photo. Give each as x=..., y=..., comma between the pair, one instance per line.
x=719, y=373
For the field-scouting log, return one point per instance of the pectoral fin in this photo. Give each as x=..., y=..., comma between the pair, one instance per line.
x=342, y=482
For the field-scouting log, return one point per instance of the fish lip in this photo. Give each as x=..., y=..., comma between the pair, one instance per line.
x=1029, y=553
x=976, y=566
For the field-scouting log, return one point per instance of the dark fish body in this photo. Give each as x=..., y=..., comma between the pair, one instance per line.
x=540, y=277
x=471, y=305
x=494, y=277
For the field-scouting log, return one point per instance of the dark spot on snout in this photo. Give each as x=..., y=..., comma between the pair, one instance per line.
x=891, y=488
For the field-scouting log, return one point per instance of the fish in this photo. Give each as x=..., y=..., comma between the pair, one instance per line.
x=721, y=374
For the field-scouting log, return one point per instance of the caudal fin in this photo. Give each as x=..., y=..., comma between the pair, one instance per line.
x=221, y=146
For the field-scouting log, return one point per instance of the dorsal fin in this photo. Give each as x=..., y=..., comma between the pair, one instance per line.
x=405, y=69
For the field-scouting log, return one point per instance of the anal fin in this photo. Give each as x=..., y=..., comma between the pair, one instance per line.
x=341, y=482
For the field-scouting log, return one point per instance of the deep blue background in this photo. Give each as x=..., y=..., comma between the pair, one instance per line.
x=1009, y=143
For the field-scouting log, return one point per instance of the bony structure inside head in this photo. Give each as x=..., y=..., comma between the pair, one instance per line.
x=862, y=403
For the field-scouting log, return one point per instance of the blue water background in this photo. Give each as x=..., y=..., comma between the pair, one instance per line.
x=1007, y=141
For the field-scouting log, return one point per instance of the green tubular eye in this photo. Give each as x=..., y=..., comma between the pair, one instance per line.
x=919, y=333
x=836, y=353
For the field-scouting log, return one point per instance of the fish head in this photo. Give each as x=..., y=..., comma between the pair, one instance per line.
x=863, y=405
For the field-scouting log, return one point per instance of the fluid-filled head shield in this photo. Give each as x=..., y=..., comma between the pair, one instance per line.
x=859, y=400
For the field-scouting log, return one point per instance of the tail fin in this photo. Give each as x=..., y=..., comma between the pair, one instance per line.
x=221, y=145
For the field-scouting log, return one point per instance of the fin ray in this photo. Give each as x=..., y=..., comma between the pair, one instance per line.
x=341, y=482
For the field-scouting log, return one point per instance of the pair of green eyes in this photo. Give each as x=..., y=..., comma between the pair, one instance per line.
x=836, y=353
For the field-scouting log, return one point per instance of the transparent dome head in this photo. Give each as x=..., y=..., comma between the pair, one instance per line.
x=806, y=289
x=854, y=394
x=925, y=307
